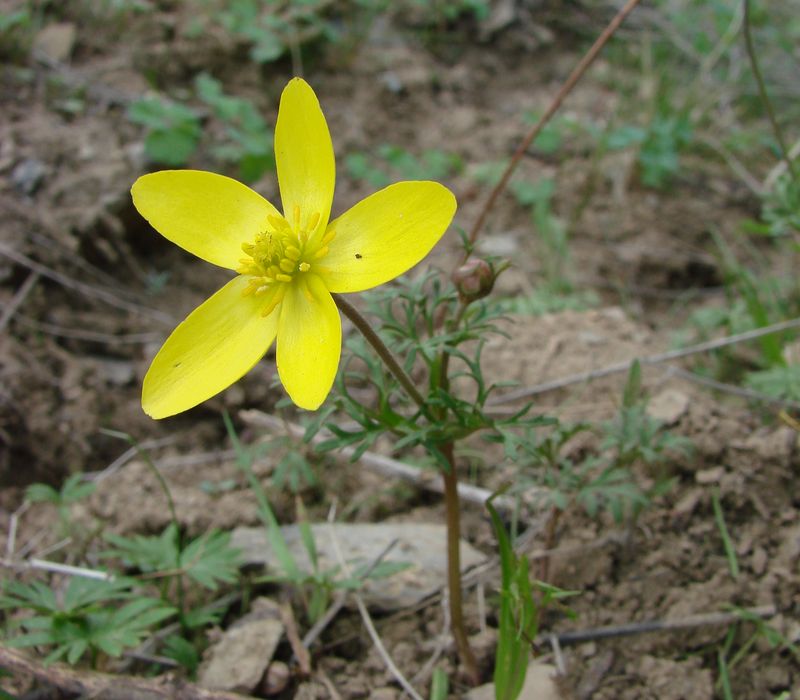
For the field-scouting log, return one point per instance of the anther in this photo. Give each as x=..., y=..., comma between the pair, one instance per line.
x=292, y=252
x=330, y=234
x=287, y=265
x=313, y=220
x=280, y=277
x=321, y=253
x=296, y=217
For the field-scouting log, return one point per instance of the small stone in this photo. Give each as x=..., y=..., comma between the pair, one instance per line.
x=710, y=476
x=669, y=406
x=385, y=693
x=759, y=561
x=237, y=662
x=28, y=175
x=56, y=41
x=276, y=679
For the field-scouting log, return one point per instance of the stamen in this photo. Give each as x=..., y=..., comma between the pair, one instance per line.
x=280, y=277
x=304, y=267
x=278, y=222
x=277, y=299
x=292, y=252
x=287, y=266
x=321, y=253
x=313, y=220
x=296, y=217
x=330, y=234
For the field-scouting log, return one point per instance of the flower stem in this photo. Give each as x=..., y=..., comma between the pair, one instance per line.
x=380, y=347
x=762, y=91
x=453, y=510
x=451, y=499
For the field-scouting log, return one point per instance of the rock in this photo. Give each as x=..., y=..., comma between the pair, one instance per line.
x=56, y=41
x=668, y=406
x=420, y=545
x=712, y=475
x=540, y=684
x=28, y=175
x=237, y=662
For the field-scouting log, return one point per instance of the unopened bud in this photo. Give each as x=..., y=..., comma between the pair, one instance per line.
x=474, y=279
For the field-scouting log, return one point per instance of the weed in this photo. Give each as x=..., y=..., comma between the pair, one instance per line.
x=172, y=129
x=73, y=490
x=391, y=163
x=92, y=616
x=248, y=139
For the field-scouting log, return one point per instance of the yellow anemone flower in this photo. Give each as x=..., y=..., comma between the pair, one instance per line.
x=288, y=264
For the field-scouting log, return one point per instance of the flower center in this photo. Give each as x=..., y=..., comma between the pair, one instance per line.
x=281, y=252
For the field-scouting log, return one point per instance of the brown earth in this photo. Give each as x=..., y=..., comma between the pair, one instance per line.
x=84, y=319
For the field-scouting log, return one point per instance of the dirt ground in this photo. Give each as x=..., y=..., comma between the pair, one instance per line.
x=81, y=321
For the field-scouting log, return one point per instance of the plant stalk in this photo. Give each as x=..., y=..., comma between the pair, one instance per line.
x=453, y=518
x=451, y=499
x=380, y=347
x=762, y=91
x=561, y=95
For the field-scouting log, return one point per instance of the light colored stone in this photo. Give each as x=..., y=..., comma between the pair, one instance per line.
x=668, y=406
x=237, y=662
x=540, y=684
x=56, y=41
x=422, y=546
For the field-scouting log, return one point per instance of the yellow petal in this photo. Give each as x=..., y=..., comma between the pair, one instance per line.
x=207, y=214
x=385, y=235
x=304, y=155
x=218, y=342
x=309, y=341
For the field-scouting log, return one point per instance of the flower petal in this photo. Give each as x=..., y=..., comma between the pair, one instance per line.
x=385, y=235
x=309, y=342
x=207, y=214
x=304, y=155
x=218, y=342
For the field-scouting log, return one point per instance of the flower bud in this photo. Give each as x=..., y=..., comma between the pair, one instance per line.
x=474, y=279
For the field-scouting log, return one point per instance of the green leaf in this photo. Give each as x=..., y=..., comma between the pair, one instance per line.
x=210, y=560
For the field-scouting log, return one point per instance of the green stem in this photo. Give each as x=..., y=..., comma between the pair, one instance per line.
x=453, y=517
x=451, y=499
x=174, y=515
x=383, y=352
x=762, y=91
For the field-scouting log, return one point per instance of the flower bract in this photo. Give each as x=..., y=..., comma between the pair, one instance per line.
x=287, y=263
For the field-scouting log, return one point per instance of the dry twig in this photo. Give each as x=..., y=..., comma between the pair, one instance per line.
x=104, y=686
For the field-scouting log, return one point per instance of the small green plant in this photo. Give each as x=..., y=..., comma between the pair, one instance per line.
x=659, y=146
x=92, y=616
x=248, y=139
x=522, y=604
x=73, y=490
x=271, y=28
x=780, y=209
x=173, y=129
x=728, y=659
x=602, y=481
x=390, y=163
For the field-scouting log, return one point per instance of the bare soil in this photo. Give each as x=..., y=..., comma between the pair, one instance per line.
x=83, y=321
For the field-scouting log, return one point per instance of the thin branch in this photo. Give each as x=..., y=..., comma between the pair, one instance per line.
x=620, y=367
x=86, y=289
x=743, y=392
x=90, y=684
x=387, y=465
x=762, y=91
x=633, y=628
x=565, y=90
x=57, y=568
x=16, y=301
x=365, y=616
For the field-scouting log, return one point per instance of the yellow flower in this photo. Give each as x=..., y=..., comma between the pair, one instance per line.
x=288, y=264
